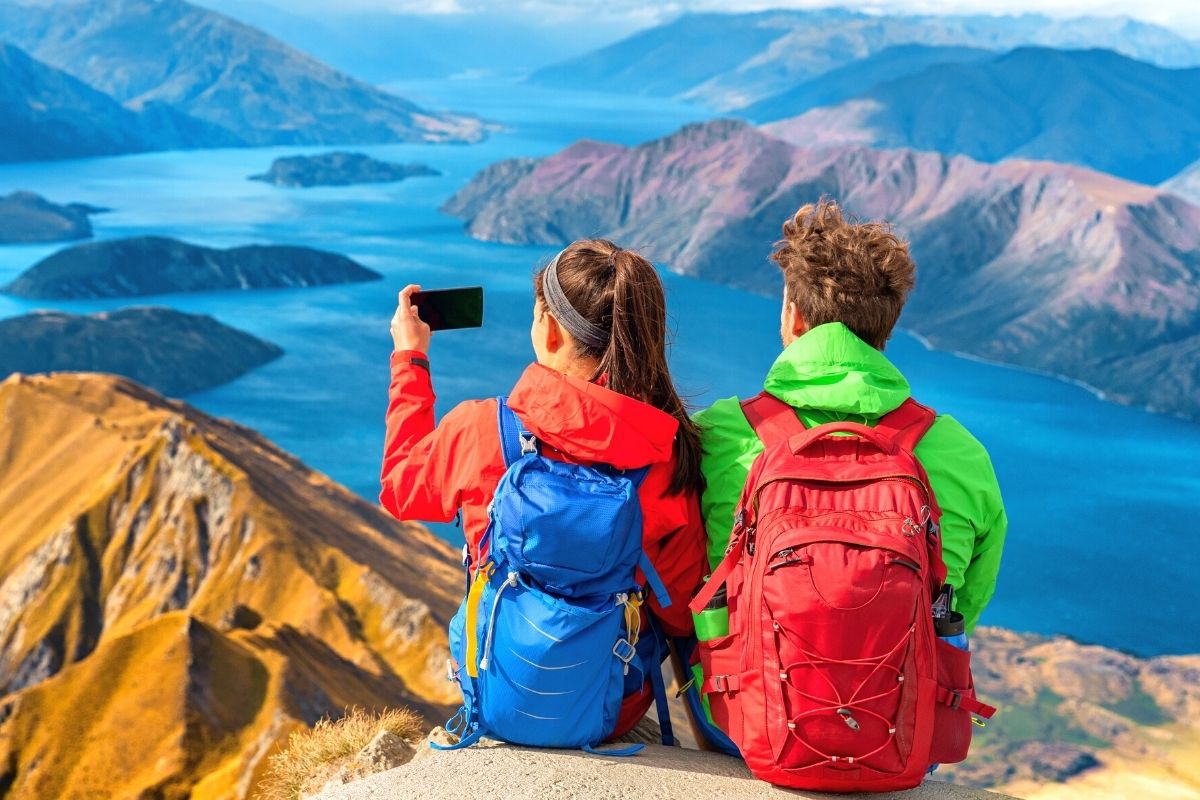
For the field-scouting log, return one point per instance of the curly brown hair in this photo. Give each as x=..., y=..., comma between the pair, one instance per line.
x=838, y=269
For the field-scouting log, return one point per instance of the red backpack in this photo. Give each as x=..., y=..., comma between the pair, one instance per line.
x=832, y=677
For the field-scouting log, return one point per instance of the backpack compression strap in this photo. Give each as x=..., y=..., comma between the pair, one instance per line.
x=515, y=439
x=772, y=419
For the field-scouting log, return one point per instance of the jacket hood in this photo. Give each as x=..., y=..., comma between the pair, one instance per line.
x=591, y=423
x=831, y=369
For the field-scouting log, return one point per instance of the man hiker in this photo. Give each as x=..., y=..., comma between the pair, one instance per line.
x=845, y=284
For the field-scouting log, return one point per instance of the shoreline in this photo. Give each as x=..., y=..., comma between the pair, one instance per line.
x=1096, y=392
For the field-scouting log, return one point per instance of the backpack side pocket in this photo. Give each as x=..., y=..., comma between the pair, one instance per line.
x=721, y=660
x=952, y=725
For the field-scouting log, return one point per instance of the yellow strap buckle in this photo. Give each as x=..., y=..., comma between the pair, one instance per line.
x=633, y=617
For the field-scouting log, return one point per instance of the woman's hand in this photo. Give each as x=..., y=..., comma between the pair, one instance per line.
x=409, y=332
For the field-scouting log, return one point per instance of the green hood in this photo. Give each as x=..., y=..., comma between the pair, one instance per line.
x=831, y=369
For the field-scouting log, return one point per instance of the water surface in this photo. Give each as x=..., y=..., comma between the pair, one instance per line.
x=1103, y=500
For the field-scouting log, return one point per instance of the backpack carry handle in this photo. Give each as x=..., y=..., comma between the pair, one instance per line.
x=802, y=441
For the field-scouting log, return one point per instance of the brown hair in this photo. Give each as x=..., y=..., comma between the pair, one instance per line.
x=837, y=269
x=620, y=292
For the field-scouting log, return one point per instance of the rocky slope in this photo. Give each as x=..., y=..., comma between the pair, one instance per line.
x=1102, y=110
x=49, y=114
x=1076, y=717
x=223, y=72
x=1030, y=263
x=148, y=265
x=338, y=169
x=167, y=350
x=729, y=61
x=177, y=595
x=27, y=217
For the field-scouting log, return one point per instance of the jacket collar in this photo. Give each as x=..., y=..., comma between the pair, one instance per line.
x=591, y=423
x=830, y=369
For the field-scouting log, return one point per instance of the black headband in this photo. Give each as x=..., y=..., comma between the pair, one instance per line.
x=591, y=335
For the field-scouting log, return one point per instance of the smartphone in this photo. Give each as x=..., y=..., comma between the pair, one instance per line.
x=446, y=309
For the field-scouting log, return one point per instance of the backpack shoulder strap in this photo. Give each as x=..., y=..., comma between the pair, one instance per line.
x=772, y=419
x=515, y=439
x=906, y=424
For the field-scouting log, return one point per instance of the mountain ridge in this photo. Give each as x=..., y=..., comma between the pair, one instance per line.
x=729, y=61
x=138, y=531
x=172, y=54
x=845, y=83
x=52, y=115
x=1027, y=263
x=1102, y=110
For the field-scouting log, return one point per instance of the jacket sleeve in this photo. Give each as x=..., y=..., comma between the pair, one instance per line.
x=674, y=542
x=973, y=520
x=979, y=578
x=428, y=470
x=728, y=447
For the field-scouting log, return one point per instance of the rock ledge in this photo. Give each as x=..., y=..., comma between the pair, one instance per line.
x=518, y=773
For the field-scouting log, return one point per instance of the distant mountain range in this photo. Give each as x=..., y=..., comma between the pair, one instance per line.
x=170, y=351
x=177, y=595
x=383, y=45
x=146, y=265
x=1090, y=107
x=1041, y=265
x=27, y=217
x=860, y=76
x=729, y=61
x=49, y=114
x=188, y=67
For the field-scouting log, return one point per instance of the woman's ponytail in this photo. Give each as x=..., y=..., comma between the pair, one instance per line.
x=620, y=291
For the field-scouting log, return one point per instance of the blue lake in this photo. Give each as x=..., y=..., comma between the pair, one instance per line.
x=1103, y=500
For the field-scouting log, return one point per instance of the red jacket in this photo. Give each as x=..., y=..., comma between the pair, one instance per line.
x=431, y=471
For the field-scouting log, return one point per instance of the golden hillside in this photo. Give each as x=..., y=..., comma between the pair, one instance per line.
x=1083, y=721
x=177, y=595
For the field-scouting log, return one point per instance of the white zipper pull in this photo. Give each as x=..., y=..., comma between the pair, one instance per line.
x=511, y=580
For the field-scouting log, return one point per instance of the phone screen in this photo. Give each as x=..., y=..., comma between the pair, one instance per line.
x=446, y=309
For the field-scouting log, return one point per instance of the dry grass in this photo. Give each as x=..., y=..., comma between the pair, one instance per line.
x=311, y=751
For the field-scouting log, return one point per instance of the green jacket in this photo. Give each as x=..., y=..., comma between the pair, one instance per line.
x=830, y=374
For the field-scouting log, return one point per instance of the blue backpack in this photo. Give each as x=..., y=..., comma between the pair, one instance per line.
x=547, y=642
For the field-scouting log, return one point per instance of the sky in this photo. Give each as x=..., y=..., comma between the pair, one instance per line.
x=1180, y=15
